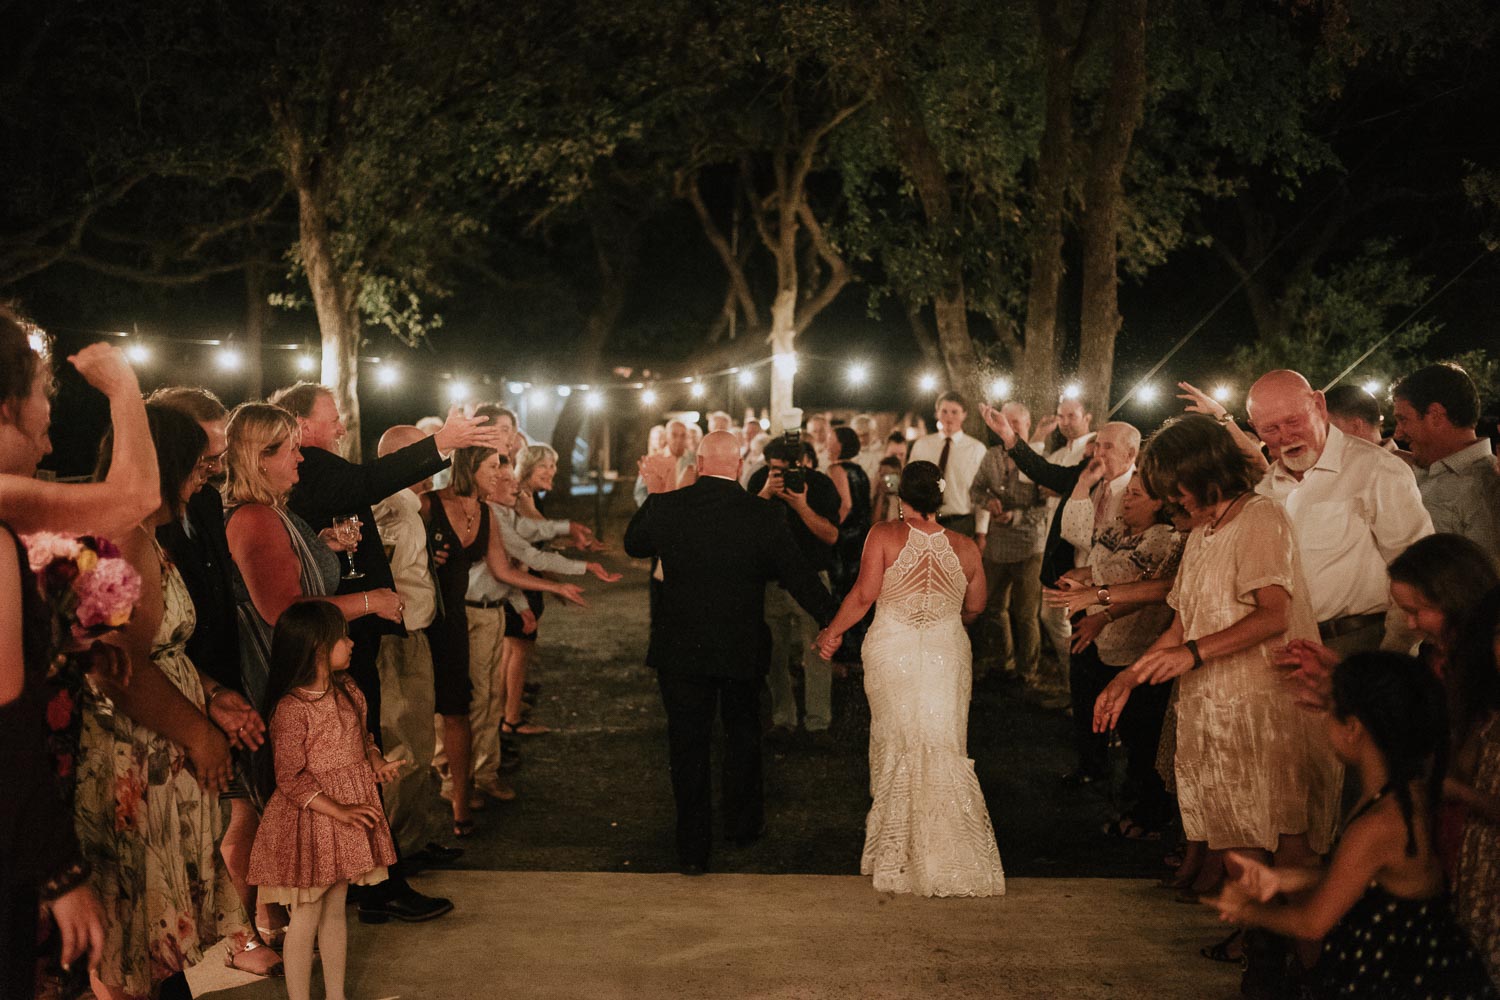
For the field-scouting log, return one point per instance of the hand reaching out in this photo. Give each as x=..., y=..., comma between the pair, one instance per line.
x=603, y=574
x=106, y=368
x=1199, y=401
x=999, y=423
x=572, y=593
x=459, y=431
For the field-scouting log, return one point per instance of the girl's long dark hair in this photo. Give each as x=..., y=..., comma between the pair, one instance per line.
x=1473, y=675
x=1403, y=708
x=304, y=635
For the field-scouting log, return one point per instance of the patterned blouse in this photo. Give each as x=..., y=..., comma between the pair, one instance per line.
x=1120, y=557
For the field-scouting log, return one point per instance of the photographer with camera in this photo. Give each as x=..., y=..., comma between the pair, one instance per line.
x=790, y=476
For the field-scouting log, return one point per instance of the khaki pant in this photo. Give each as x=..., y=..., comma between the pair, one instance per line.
x=406, y=705
x=792, y=634
x=1060, y=631
x=487, y=708
x=1010, y=630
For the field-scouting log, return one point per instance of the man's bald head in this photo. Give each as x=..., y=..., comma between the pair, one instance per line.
x=398, y=437
x=719, y=455
x=1289, y=417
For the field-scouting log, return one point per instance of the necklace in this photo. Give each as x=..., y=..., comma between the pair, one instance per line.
x=1223, y=514
x=317, y=693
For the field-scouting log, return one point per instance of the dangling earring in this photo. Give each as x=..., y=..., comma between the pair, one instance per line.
x=900, y=511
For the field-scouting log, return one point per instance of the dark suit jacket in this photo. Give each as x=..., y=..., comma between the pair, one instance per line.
x=719, y=547
x=204, y=562
x=331, y=486
x=1057, y=555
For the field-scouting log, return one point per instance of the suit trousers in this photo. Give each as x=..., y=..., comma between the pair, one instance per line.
x=792, y=633
x=1059, y=630
x=411, y=800
x=1010, y=629
x=487, y=707
x=365, y=672
x=690, y=703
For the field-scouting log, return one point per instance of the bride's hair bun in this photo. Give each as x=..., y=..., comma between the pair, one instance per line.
x=921, y=487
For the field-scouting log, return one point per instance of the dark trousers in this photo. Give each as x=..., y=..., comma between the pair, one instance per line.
x=1139, y=728
x=690, y=704
x=18, y=952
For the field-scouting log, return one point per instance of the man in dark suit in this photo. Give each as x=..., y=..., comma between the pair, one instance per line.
x=718, y=547
x=331, y=486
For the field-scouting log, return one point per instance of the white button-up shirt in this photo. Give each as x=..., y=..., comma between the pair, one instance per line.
x=1353, y=512
x=963, y=464
x=1462, y=493
x=1079, y=526
x=1070, y=454
x=398, y=519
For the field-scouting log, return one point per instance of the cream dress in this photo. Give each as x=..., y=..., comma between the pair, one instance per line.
x=1251, y=765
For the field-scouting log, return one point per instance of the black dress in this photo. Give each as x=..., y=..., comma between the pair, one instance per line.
x=846, y=556
x=1404, y=949
x=448, y=635
x=37, y=842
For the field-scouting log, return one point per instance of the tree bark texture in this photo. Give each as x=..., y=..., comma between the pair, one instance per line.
x=1103, y=197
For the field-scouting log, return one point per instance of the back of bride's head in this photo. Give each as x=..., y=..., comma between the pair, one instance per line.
x=921, y=487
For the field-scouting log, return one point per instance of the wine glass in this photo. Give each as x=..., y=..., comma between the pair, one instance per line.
x=347, y=529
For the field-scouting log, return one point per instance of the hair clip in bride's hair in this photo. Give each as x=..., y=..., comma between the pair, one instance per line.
x=942, y=485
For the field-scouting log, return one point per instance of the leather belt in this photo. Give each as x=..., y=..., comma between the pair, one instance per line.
x=1335, y=627
x=484, y=604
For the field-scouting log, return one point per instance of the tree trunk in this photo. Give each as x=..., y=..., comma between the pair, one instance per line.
x=783, y=340
x=1123, y=107
x=256, y=309
x=338, y=314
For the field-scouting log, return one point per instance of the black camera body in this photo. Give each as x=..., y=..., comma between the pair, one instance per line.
x=794, y=478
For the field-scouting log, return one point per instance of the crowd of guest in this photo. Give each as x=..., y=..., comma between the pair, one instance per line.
x=306, y=628
x=1288, y=626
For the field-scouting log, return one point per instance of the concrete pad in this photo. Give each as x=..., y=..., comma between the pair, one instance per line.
x=551, y=936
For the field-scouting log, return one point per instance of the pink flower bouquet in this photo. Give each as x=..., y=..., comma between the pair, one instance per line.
x=90, y=588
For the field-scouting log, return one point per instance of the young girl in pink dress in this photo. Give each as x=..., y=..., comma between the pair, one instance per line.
x=323, y=827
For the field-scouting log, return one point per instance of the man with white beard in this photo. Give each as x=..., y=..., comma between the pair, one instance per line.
x=1353, y=505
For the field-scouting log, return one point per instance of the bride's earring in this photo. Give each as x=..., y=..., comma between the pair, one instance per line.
x=900, y=511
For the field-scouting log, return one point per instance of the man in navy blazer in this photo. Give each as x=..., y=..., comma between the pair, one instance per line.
x=718, y=547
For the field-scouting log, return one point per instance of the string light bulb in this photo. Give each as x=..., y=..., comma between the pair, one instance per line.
x=858, y=373
x=229, y=359
x=1147, y=394
x=539, y=397
x=1222, y=393
x=1000, y=389
x=697, y=389
x=306, y=363
x=516, y=388
x=565, y=391
x=458, y=392
x=648, y=397
x=927, y=382
x=138, y=354
x=387, y=375
x=593, y=402
x=1072, y=391
x=1373, y=387
x=747, y=378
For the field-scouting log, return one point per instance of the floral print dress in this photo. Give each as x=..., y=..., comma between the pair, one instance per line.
x=149, y=829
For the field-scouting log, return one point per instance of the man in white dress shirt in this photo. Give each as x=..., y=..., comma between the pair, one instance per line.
x=818, y=431
x=1437, y=408
x=957, y=457
x=1354, y=507
x=1074, y=421
x=871, y=447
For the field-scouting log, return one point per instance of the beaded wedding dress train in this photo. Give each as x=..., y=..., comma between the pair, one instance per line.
x=928, y=832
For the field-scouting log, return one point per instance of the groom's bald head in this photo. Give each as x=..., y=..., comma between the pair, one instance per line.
x=719, y=455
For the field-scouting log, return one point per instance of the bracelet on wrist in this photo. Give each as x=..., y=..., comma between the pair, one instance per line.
x=366, y=596
x=65, y=881
x=1192, y=647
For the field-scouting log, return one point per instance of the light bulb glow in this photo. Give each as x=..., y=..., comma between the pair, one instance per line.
x=1072, y=391
x=697, y=389
x=1000, y=389
x=648, y=397
x=1222, y=393
x=747, y=378
x=516, y=388
x=458, y=392
x=593, y=402
x=387, y=375
x=858, y=373
x=306, y=363
x=1373, y=387
x=138, y=354
x=927, y=382
x=229, y=359
x=565, y=391
x=539, y=397
x=1147, y=394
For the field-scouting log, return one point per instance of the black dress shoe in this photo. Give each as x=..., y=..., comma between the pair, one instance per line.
x=409, y=906
x=433, y=856
x=1078, y=777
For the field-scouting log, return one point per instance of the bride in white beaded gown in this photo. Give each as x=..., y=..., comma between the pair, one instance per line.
x=928, y=831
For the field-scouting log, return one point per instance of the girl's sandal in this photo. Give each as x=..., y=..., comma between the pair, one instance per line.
x=274, y=971
x=271, y=937
x=522, y=728
x=1220, y=951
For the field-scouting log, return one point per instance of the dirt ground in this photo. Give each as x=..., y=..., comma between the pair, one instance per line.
x=594, y=793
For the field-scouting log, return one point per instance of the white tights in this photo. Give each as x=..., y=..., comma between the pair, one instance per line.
x=322, y=921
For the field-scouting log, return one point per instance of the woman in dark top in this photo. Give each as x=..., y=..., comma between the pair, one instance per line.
x=853, y=484
x=460, y=525
x=40, y=863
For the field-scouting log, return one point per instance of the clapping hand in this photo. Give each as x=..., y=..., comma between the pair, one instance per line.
x=654, y=473
x=236, y=718
x=1044, y=427
x=1249, y=882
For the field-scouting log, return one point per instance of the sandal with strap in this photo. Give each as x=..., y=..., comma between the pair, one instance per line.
x=1219, y=951
x=271, y=937
x=523, y=728
x=276, y=971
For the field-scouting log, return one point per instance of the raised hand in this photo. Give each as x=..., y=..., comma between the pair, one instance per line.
x=999, y=423
x=1199, y=401
x=107, y=369
x=1045, y=426
x=459, y=431
x=654, y=474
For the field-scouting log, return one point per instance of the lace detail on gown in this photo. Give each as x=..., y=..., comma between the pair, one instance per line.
x=928, y=831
